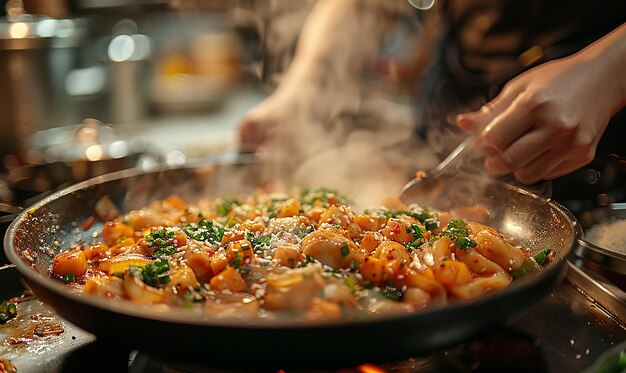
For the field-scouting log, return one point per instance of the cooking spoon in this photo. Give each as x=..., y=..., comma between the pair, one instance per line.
x=449, y=162
x=419, y=185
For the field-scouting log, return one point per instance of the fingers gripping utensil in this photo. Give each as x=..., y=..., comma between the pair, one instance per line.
x=421, y=188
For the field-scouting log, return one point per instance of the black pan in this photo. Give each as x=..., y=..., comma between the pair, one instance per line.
x=536, y=222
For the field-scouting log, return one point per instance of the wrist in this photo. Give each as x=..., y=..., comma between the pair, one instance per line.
x=608, y=56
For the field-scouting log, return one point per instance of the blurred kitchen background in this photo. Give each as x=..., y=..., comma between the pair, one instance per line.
x=93, y=86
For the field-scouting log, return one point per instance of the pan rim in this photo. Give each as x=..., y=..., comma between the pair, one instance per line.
x=182, y=316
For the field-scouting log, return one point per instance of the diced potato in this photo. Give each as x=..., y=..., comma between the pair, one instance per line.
x=370, y=241
x=113, y=231
x=199, y=261
x=398, y=231
x=243, y=247
x=96, y=252
x=183, y=277
x=120, y=264
x=290, y=208
x=124, y=245
x=229, y=279
x=219, y=261
x=315, y=213
x=73, y=262
x=450, y=272
x=289, y=255
x=104, y=286
x=176, y=202
x=289, y=224
x=331, y=248
x=373, y=270
x=371, y=223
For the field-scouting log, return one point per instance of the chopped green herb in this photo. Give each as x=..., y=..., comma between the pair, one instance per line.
x=205, y=230
x=258, y=241
x=307, y=259
x=391, y=292
x=8, y=310
x=424, y=216
x=153, y=274
x=161, y=242
x=520, y=272
x=120, y=240
x=303, y=231
x=227, y=205
x=321, y=195
x=237, y=260
x=418, y=236
x=68, y=278
x=352, y=284
x=345, y=249
x=456, y=231
x=528, y=266
x=542, y=257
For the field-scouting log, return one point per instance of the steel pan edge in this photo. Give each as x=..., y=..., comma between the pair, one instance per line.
x=285, y=346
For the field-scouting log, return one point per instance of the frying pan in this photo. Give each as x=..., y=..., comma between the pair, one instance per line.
x=535, y=222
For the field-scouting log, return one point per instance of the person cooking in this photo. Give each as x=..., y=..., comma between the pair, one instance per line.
x=558, y=67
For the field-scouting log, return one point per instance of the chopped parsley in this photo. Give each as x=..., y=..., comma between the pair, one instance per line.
x=543, y=257
x=345, y=249
x=205, y=230
x=418, y=236
x=68, y=278
x=456, y=231
x=424, y=216
x=161, y=242
x=8, y=311
x=257, y=241
x=392, y=292
x=227, y=205
x=237, y=260
x=310, y=196
x=303, y=231
x=153, y=274
x=527, y=267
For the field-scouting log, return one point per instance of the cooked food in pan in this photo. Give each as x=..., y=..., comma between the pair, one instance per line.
x=307, y=255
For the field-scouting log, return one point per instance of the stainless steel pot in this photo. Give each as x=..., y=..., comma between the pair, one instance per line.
x=36, y=55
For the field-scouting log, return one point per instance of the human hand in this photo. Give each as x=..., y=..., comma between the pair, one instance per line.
x=305, y=99
x=548, y=121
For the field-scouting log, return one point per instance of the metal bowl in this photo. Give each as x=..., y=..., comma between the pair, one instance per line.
x=608, y=259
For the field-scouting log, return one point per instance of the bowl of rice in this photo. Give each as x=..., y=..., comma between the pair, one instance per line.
x=603, y=242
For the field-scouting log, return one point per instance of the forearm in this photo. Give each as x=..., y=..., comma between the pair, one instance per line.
x=609, y=53
x=341, y=38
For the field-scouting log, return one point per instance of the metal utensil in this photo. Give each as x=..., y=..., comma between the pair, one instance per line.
x=452, y=160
